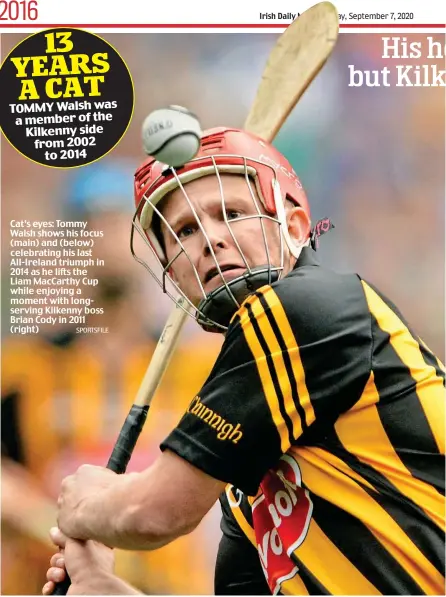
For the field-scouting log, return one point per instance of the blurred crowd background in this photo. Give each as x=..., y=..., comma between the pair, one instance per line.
x=372, y=159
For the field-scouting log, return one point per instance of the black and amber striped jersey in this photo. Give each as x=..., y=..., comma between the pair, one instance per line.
x=326, y=412
x=237, y=568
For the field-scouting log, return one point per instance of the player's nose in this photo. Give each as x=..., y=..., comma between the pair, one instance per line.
x=217, y=237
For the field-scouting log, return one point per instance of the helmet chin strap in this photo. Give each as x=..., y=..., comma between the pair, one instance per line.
x=294, y=247
x=220, y=305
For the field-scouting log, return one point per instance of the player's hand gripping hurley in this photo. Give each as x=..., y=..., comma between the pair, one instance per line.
x=295, y=60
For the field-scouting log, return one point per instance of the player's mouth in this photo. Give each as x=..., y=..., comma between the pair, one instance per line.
x=229, y=272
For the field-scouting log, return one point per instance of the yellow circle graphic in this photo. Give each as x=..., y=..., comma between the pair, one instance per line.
x=67, y=97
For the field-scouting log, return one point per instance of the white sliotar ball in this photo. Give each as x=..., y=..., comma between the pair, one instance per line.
x=171, y=135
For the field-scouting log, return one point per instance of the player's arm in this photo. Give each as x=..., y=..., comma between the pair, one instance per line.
x=140, y=511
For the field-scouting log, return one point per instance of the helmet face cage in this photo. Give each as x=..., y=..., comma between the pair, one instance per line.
x=147, y=208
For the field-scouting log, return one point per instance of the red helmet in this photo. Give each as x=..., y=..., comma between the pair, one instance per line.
x=231, y=150
x=222, y=150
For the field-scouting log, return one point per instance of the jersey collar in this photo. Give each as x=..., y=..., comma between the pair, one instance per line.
x=307, y=257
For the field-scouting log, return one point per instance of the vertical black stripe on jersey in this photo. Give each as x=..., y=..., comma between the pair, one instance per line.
x=371, y=559
x=244, y=394
x=421, y=530
x=314, y=587
x=331, y=324
x=273, y=373
x=428, y=357
x=286, y=359
x=403, y=418
x=237, y=570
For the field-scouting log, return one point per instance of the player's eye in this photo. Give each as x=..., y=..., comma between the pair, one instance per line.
x=232, y=214
x=186, y=231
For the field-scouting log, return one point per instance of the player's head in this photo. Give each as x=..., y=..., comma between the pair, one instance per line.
x=226, y=223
